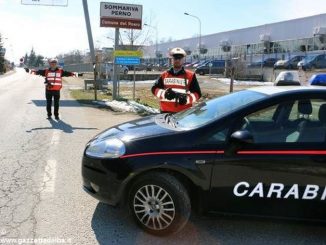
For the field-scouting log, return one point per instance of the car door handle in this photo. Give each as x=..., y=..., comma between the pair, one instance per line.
x=200, y=161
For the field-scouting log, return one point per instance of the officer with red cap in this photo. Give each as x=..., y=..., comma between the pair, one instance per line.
x=176, y=88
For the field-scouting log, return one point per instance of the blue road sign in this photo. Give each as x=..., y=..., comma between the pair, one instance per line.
x=124, y=60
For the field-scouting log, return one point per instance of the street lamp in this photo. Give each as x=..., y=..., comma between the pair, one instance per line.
x=156, y=44
x=199, y=48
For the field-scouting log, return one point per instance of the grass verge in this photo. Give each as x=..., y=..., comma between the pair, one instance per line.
x=143, y=96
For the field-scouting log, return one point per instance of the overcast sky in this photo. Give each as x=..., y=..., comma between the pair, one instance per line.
x=55, y=30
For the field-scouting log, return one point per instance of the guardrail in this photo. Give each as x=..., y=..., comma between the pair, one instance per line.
x=100, y=83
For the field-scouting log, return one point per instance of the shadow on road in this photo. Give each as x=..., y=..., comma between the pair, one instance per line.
x=65, y=103
x=61, y=125
x=114, y=226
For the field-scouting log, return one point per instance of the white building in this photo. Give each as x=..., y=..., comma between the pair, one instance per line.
x=297, y=35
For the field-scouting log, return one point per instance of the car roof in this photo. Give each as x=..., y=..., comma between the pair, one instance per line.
x=272, y=90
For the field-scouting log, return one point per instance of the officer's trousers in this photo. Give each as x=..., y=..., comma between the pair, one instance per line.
x=55, y=94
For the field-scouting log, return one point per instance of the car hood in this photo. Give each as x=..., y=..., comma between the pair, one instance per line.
x=281, y=62
x=140, y=128
x=302, y=62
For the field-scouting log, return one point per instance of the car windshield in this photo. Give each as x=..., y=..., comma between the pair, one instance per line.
x=215, y=109
x=309, y=58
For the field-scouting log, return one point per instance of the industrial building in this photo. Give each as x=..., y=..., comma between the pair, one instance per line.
x=283, y=38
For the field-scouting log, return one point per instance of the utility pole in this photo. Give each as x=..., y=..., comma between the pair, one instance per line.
x=91, y=44
x=115, y=67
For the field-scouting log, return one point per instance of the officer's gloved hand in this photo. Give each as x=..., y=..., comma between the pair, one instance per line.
x=26, y=69
x=182, y=99
x=169, y=94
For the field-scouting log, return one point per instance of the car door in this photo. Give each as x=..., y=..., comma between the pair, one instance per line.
x=282, y=170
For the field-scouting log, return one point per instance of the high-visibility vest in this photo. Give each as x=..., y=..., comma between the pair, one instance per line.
x=54, y=79
x=180, y=84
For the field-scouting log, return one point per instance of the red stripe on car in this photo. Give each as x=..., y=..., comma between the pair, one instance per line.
x=171, y=153
x=290, y=152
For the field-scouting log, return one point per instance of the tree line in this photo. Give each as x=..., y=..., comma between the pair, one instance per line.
x=33, y=60
x=2, y=57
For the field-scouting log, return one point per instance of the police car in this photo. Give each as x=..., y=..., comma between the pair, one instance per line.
x=259, y=151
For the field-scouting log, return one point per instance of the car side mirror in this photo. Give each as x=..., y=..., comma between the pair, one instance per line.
x=242, y=137
x=237, y=140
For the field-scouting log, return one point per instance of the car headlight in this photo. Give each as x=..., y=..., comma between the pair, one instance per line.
x=108, y=148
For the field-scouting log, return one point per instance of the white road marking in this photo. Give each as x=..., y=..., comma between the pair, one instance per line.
x=55, y=137
x=50, y=170
x=49, y=176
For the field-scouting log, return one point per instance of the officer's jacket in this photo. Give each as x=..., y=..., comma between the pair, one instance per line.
x=54, y=77
x=184, y=81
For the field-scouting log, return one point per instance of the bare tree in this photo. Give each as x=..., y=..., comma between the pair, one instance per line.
x=235, y=67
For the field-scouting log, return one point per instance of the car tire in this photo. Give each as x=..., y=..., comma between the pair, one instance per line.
x=159, y=203
x=201, y=73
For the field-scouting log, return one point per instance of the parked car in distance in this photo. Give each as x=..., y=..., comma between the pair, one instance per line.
x=268, y=62
x=213, y=67
x=313, y=61
x=318, y=79
x=289, y=63
x=191, y=65
x=287, y=78
x=200, y=63
x=106, y=69
x=256, y=152
x=144, y=67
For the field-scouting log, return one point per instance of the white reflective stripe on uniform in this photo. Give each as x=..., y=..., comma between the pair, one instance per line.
x=194, y=99
x=163, y=94
x=56, y=84
x=54, y=74
x=50, y=78
x=160, y=92
x=58, y=79
x=166, y=100
x=179, y=90
x=188, y=100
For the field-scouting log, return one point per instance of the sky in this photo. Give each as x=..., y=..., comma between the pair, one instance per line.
x=54, y=30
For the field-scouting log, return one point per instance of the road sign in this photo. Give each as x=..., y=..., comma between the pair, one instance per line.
x=63, y=3
x=120, y=15
x=127, y=60
x=128, y=53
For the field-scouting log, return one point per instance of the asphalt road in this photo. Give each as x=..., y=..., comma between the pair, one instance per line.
x=40, y=182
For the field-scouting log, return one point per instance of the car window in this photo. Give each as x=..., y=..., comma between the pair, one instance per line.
x=309, y=58
x=294, y=121
x=218, y=136
x=313, y=116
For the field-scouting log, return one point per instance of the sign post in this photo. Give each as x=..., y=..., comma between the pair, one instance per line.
x=128, y=57
x=120, y=15
x=210, y=64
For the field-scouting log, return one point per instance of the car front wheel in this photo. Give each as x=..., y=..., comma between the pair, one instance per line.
x=159, y=203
